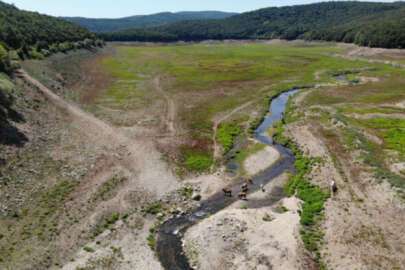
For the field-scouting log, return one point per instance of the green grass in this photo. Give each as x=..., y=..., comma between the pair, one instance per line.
x=395, y=139
x=313, y=197
x=216, y=79
x=391, y=130
x=381, y=123
x=197, y=161
x=226, y=134
x=151, y=241
x=383, y=109
x=371, y=153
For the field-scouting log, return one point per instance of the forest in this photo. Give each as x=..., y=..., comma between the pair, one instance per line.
x=103, y=25
x=27, y=34
x=363, y=23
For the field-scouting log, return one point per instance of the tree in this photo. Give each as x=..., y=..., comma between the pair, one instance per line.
x=4, y=60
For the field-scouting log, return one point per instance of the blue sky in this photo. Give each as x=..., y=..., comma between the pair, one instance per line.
x=122, y=8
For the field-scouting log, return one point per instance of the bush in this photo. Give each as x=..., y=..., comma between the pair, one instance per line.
x=4, y=60
x=154, y=208
x=88, y=249
x=35, y=55
x=113, y=218
x=151, y=241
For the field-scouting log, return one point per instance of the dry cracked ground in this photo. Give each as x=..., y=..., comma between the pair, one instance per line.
x=86, y=186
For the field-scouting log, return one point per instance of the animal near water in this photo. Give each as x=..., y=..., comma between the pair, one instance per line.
x=242, y=195
x=227, y=192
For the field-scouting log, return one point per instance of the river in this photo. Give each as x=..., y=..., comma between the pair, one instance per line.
x=169, y=238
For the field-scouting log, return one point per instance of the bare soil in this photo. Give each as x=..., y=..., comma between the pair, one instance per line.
x=238, y=238
x=261, y=160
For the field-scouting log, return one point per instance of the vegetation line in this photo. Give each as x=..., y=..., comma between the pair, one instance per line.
x=312, y=196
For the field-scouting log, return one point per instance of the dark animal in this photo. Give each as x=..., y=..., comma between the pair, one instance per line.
x=242, y=195
x=250, y=181
x=244, y=188
x=227, y=192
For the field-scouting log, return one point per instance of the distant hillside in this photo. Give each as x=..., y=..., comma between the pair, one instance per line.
x=365, y=23
x=102, y=25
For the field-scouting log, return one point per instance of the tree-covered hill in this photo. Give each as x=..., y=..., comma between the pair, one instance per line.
x=103, y=25
x=32, y=34
x=23, y=35
x=374, y=24
x=386, y=30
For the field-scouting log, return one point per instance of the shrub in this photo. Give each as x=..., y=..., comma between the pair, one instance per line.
x=88, y=249
x=154, y=208
x=35, y=55
x=4, y=60
x=113, y=218
x=151, y=241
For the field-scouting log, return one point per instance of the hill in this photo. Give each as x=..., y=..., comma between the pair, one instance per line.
x=102, y=25
x=324, y=21
x=24, y=35
x=23, y=29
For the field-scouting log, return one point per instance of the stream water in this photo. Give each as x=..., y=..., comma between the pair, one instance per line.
x=169, y=238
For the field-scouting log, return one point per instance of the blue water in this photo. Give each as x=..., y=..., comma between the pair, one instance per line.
x=233, y=166
x=276, y=112
x=169, y=244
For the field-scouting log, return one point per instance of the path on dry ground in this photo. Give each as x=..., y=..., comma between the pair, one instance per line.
x=170, y=116
x=141, y=156
x=373, y=61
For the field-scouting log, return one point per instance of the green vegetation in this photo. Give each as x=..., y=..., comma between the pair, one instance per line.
x=197, y=162
x=151, y=241
x=226, y=134
x=34, y=35
x=312, y=196
x=154, y=208
x=382, y=109
x=108, y=188
x=355, y=22
x=113, y=218
x=103, y=25
x=88, y=249
x=5, y=65
x=379, y=123
x=186, y=191
x=267, y=218
x=392, y=130
x=196, y=72
x=395, y=139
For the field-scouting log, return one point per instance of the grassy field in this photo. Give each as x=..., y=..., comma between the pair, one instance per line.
x=210, y=80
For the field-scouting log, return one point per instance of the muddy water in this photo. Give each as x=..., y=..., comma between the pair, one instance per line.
x=169, y=239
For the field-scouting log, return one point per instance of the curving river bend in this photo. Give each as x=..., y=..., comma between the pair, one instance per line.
x=169, y=239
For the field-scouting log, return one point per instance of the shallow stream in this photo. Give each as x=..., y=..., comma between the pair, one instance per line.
x=169, y=238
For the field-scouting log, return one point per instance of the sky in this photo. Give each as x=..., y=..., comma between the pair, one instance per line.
x=123, y=8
